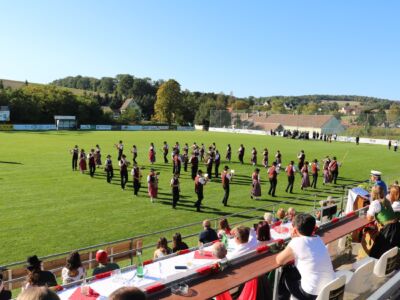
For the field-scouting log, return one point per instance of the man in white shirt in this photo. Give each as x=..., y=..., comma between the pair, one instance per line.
x=242, y=241
x=312, y=268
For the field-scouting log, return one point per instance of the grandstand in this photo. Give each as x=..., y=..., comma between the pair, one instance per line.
x=207, y=278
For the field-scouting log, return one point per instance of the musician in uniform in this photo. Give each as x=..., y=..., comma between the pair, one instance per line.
x=273, y=178
x=377, y=180
x=199, y=183
x=194, y=161
x=228, y=156
x=175, y=189
x=278, y=159
x=82, y=161
x=177, y=164
x=108, y=167
x=185, y=158
x=327, y=175
x=256, y=184
x=152, y=154
x=165, y=152
x=136, y=176
x=217, y=160
x=75, y=155
x=241, y=153
x=92, y=163
x=301, y=158
x=152, y=185
x=120, y=148
x=209, y=164
x=134, y=153
x=305, y=180
x=290, y=170
x=334, y=169
x=97, y=156
x=388, y=235
x=314, y=173
x=123, y=170
x=253, y=159
x=265, y=158
x=226, y=180
x=202, y=152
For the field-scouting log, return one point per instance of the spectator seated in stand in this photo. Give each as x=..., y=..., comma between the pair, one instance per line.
x=242, y=241
x=263, y=232
x=4, y=294
x=177, y=243
x=73, y=271
x=36, y=276
x=104, y=265
x=269, y=218
x=208, y=235
x=127, y=293
x=394, y=198
x=312, y=268
x=162, y=248
x=219, y=250
x=291, y=213
x=38, y=293
x=224, y=228
x=280, y=215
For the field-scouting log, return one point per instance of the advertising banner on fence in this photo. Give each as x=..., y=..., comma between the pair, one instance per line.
x=35, y=127
x=103, y=127
x=4, y=115
x=185, y=128
x=155, y=128
x=87, y=127
x=6, y=127
x=131, y=127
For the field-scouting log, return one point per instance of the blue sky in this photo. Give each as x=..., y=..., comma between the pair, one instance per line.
x=257, y=48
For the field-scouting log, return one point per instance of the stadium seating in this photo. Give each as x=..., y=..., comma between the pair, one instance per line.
x=384, y=266
x=334, y=289
x=359, y=281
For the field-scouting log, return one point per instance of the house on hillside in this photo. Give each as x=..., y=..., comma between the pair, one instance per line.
x=108, y=110
x=350, y=110
x=129, y=103
x=326, y=124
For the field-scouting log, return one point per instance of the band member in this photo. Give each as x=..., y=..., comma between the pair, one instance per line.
x=199, y=183
x=185, y=159
x=241, y=153
x=186, y=148
x=165, y=152
x=214, y=147
x=209, y=164
x=290, y=170
x=278, y=159
x=334, y=169
x=177, y=147
x=175, y=189
x=302, y=157
x=253, y=159
x=194, y=161
x=97, y=155
x=256, y=184
x=217, y=160
x=265, y=158
x=327, y=175
x=82, y=161
x=120, y=148
x=226, y=178
x=388, y=235
x=136, y=176
x=177, y=164
x=202, y=152
x=228, y=156
x=152, y=154
x=134, y=154
x=152, y=185
x=75, y=155
x=395, y=146
x=123, y=170
x=390, y=144
x=305, y=180
x=108, y=167
x=314, y=172
x=92, y=163
x=357, y=140
x=273, y=178
x=195, y=149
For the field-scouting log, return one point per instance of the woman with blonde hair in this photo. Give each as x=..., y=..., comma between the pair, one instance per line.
x=394, y=198
x=38, y=293
x=388, y=235
x=162, y=248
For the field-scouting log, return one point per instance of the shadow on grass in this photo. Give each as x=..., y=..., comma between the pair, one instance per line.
x=10, y=162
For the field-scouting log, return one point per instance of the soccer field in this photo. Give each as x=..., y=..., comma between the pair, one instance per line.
x=47, y=208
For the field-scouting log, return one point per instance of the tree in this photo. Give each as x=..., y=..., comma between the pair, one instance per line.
x=107, y=85
x=1, y=85
x=131, y=115
x=240, y=105
x=168, y=104
x=393, y=113
x=278, y=107
x=125, y=83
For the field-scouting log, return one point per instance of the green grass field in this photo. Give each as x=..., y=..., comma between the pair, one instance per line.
x=46, y=208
